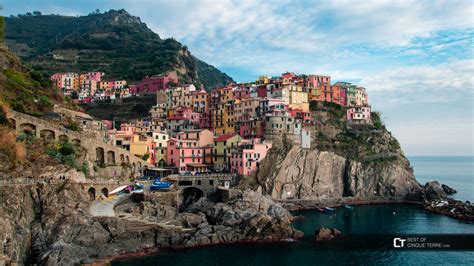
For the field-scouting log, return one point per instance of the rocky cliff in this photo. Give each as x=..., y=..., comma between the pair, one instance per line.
x=343, y=161
x=50, y=224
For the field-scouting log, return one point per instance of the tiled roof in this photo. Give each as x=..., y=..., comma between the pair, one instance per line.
x=224, y=137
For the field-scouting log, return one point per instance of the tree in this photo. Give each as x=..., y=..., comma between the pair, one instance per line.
x=37, y=13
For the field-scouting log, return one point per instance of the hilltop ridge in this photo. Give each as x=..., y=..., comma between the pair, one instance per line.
x=114, y=42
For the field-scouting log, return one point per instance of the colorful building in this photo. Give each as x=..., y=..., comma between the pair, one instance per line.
x=223, y=146
x=246, y=157
x=359, y=115
x=191, y=150
x=161, y=150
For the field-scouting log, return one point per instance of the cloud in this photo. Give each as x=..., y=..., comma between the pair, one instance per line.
x=447, y=78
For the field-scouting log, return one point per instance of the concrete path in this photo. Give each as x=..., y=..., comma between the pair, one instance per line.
x=106, y=207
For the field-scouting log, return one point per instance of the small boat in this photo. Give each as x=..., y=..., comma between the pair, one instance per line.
x=349, y=207
x=117, y=190
x=138, y=185
x=323, y=210
x=128, y=189
x=329, y=209
x=161, y=185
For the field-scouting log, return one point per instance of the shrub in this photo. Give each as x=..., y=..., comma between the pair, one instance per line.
x=64, y=153
x=15, y=151
x=27, y=137
x=73, y=126
x=85, y=168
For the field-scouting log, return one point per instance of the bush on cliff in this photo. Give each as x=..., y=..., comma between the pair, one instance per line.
x=64, y=153
x=12, y=151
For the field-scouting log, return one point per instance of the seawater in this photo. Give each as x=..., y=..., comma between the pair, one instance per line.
x=456, y=172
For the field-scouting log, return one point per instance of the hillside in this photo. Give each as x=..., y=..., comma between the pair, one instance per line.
x=113, y=42
x=22, y=89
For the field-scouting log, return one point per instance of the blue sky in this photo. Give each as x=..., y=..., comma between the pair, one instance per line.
x=416, y=58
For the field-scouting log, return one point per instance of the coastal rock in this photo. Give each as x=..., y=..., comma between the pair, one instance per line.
x=326, y=234
x=448, y=190
x=434, y=191
x=192, y=220
x=452, y=208
x=311, y=174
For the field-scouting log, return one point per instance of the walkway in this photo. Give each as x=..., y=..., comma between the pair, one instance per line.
x=106, y=207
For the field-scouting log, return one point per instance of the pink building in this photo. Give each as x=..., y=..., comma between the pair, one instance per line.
x=246, y=159
x=151, y=85
x=298, y=114
x=359, y=115
x=191, y=150
x=96, y=76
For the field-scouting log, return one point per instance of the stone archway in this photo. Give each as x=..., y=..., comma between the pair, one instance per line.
x=76, y=142
x=190, y=195
x=111, y=157
x=162, y=163
x=63, y=138
x=28, y=128
x=105, y=192
x=99, y=155
x=91, y=193
x=47, y=134
x=12, y=122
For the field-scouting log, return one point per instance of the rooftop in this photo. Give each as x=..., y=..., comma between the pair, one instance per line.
x=224, y=137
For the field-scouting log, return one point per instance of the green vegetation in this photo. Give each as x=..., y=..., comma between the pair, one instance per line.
x=22, y=90
x=2, y=29
x=26, y=137
x=376, y=119
x=73, y=126
x=85, y=169
x=63, y=152
x=113, y=42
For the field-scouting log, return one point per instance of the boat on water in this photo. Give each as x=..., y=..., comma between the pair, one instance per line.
x=349, y=207
x=326, y=210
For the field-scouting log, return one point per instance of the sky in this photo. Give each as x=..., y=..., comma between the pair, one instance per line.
x=416, y=58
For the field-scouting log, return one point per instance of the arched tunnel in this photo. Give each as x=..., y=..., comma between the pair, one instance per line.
x=189, y=196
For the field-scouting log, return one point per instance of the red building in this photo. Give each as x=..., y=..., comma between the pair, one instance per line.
x=150, y=85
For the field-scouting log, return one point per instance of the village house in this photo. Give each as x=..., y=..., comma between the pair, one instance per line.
x=150, y=85
x=223, y=145
x=191, y=150
x=161, y=152
x=359, y=115
x=143, y=147
x=246, y=157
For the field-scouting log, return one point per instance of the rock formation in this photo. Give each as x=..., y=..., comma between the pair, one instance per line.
x=448, y=190
x=434, y=191
x=325, y=234
x=50, y=224
x=313, y=174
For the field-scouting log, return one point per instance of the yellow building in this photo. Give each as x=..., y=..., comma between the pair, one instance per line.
x=263, y=80
x=161, y=142
x=223, y=146
x=142, y=145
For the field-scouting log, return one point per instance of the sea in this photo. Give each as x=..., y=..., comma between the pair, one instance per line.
x=364, y=220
